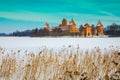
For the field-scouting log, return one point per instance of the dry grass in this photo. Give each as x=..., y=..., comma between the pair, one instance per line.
x=65, y=64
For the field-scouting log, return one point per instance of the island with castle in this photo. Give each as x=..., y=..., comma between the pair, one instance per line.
x=87, y=30
x=70, y=28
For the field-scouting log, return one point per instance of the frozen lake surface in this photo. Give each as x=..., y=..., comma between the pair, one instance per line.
x=33, y=44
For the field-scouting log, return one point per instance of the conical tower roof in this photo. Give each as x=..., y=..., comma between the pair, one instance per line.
x=87, y=25
x=72, y=22
x=99, y=24
x=47, y=26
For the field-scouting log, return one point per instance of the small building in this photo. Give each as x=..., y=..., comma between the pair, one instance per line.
x=88, y=31
x=65, y=28
x=100, y=29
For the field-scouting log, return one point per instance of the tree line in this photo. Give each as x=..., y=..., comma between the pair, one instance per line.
x=111, y=30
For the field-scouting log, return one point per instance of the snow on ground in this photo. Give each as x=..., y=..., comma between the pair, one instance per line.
x=33, y=44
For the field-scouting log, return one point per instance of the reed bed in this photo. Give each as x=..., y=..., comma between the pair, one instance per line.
x=69, y=63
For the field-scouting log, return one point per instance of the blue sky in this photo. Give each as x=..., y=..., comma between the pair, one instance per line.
x=29, y=14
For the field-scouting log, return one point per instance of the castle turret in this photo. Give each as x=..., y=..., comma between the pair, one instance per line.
x=47, y=26
x=72, y=22
x=88, y=31
x=64, y=26
x=100, y=29
x=64, y=22
x=72, y=26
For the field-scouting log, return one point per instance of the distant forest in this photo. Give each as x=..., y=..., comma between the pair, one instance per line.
x=112, y=30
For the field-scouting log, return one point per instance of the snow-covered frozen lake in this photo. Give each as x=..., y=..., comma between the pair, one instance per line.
x=28, y=43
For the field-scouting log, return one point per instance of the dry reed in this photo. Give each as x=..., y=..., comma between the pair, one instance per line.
x=65, y=64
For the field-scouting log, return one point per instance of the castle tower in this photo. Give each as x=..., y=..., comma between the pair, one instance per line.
x=88, y=31
x=72, y=26
x=47, y=26
x=100, y=29
x=64, y=22
x=64, y=27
